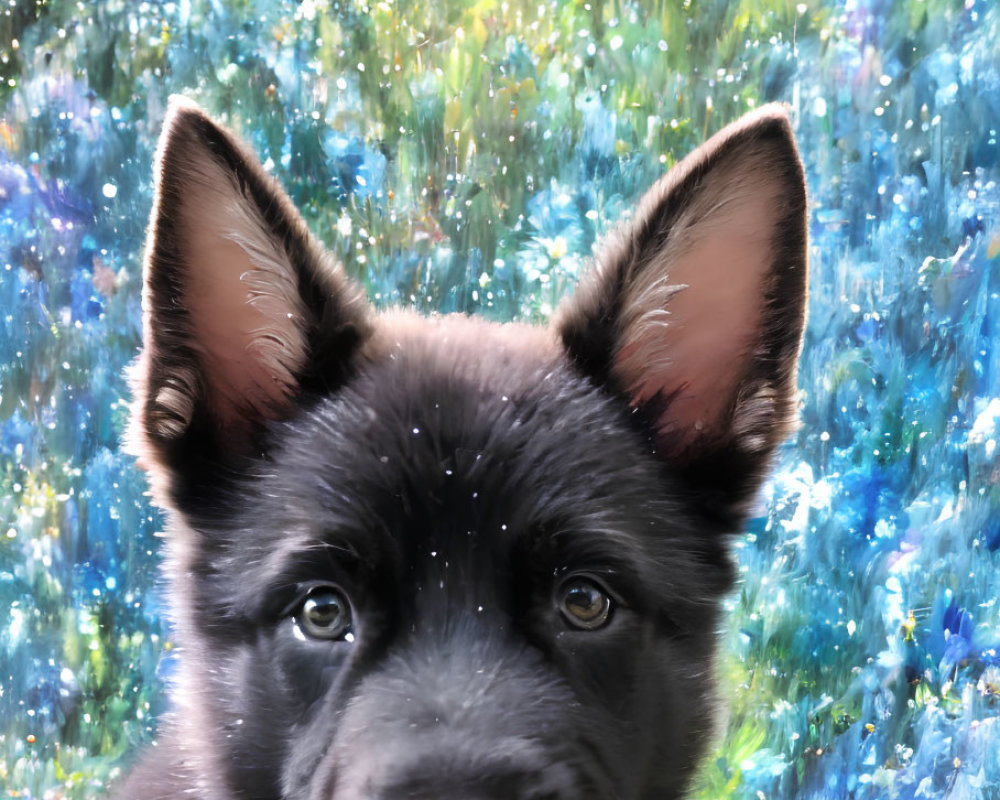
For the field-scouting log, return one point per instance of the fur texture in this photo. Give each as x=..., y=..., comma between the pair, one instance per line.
x=439, y=558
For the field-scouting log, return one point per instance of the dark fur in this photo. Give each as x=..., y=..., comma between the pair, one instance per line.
x=448, y=476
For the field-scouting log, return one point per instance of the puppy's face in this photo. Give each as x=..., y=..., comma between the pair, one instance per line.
x=446, y=559
x=462, y=577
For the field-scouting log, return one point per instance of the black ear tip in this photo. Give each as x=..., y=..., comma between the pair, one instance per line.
x=770, y=115
x=183, y=115
x=768, y=132
x=189, y=131
x=769, y=122
x=182, y=126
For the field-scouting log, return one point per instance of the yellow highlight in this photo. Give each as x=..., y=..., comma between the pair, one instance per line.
x=7, y=135
x=993, y=247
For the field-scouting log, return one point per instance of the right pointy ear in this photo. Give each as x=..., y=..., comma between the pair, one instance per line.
x=243, y=311
x=694, y=315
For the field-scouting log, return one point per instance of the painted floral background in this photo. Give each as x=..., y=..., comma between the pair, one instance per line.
x=464, y=155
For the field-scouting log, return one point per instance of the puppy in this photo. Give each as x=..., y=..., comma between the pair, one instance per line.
x=444, y=559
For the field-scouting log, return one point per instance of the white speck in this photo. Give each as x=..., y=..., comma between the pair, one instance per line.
x=109, y=190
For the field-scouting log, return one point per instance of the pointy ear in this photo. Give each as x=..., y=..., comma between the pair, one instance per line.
x=696, y=309
x=243, y=311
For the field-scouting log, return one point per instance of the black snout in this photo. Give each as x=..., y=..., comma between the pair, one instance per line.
x=489, y=721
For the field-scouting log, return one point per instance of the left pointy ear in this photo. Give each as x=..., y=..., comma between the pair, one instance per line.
x=245, y=315
x=695, y=312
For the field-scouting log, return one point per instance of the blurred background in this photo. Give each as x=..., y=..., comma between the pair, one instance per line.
x=464, y=156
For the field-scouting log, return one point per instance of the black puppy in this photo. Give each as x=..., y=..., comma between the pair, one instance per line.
x=441, y=558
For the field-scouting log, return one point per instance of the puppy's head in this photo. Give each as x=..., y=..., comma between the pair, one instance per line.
x=438, y=558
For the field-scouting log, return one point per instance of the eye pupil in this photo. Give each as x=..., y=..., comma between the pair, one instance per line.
x=583, y=601
x=325, y=614
x=584, y=604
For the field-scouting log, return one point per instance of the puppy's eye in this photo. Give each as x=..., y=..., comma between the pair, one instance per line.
x=325, y=614
x=584, y=603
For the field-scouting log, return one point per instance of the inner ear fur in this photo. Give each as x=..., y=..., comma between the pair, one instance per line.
x=244, y=312
x=695, y=311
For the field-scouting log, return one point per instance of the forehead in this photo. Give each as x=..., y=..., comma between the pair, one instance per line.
x=455, y=425
x=453, y=396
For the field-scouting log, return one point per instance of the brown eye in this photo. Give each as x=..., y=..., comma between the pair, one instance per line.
x=325, y=614
x=584, y=604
